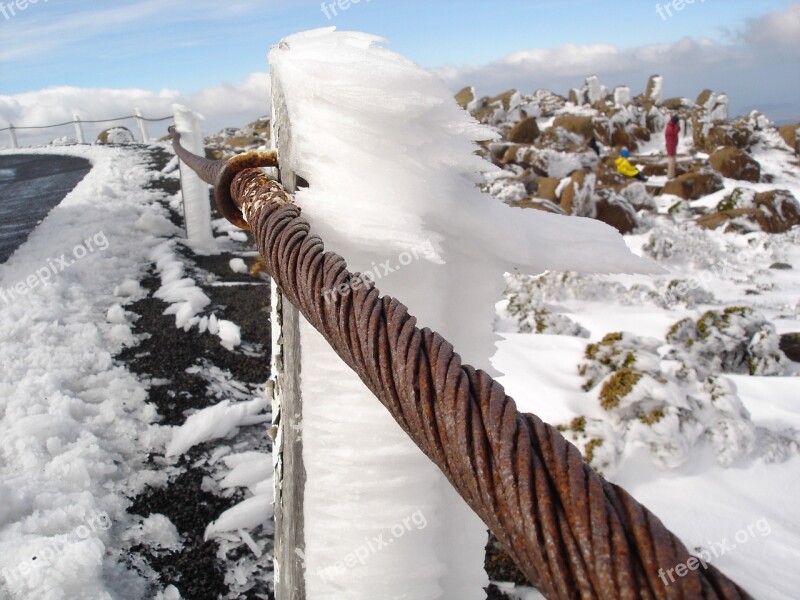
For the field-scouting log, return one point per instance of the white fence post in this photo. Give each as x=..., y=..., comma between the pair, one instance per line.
x=13, y=134
x=344, y=465
x=196, y=200
x=76, y=120
x=142, y=125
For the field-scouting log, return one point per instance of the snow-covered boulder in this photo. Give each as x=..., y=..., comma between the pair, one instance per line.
x=734, y=340
x=116, y=135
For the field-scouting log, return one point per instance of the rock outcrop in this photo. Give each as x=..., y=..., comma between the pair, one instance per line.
x=736, y=164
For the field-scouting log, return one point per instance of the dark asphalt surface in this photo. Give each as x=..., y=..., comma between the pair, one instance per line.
x=30, y=186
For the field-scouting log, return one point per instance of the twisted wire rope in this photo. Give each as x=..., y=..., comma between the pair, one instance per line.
x=572, y=533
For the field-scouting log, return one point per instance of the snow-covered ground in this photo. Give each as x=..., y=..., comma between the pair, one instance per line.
x=76, y=432
x=735, y=499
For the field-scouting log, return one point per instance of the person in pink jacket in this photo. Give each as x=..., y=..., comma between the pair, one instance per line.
x=671, y=135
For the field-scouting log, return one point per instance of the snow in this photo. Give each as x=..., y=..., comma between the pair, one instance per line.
x=76, y=428
x=218, y=421
x=119, y=135
x=186, y=300
x=156, y=531
x=248, y=514
x=622, y=96
x=238, y=266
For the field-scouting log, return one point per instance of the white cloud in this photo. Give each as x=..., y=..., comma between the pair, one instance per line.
x=224, y=105
x=775, y=30
x=752, y=67
x=756, y=67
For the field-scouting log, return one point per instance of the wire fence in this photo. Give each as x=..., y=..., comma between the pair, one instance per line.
x=78, y=124
x=571, y=532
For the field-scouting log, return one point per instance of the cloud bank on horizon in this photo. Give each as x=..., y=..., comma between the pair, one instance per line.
x=761, y=56
x=765, y=52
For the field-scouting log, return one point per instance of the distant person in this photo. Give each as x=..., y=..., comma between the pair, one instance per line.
x=671, y=136
x=625, y=167
x=593, y=145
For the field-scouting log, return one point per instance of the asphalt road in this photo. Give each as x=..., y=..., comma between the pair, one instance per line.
x=30, y=186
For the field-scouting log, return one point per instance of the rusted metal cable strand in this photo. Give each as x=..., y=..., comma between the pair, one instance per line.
x=84, y=122
x=573, y=534
x=220, y=173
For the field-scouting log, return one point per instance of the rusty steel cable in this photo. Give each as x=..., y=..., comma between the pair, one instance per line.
x=88, y=122
x=571, y=532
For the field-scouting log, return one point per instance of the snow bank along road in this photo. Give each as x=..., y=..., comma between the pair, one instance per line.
x=97, y=383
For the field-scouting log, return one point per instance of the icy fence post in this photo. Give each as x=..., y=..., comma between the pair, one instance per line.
x=141, y=124
x=13, y=135
x=287, y=415
x=76, y=121
x=347, y=475
x=196, y=201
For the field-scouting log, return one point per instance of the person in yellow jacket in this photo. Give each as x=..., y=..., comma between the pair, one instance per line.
x=624, y=166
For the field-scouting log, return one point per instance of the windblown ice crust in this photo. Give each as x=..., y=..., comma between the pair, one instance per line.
x=380, y=139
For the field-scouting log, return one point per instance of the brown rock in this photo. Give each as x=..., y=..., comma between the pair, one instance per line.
x=704, y=97
x=538, y=204
x=525, y=132
x=574, y=196
x=673, y=103
x=575, y=124
x=726, y=136
x=556, y=138
x=116, y=135
x=714, y=220
x=775, y=211
x=694, y=185
x=736, y=164
x=484, y=115
x=698, y=130
x=789, y=134
x=510, y=155
x=214, y=153
x=504, y=98
x=617, y=212
x=244, y=141
x=642, y=133
x=500, y=151
x=465, y=96
x=780, y=210
x=654, y=170
x=261, y=127
x=790, y=344
x=547, y=188
x=608, y=176
x=620, y=138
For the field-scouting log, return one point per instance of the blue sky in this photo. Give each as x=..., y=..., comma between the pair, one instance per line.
x=191, y=46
